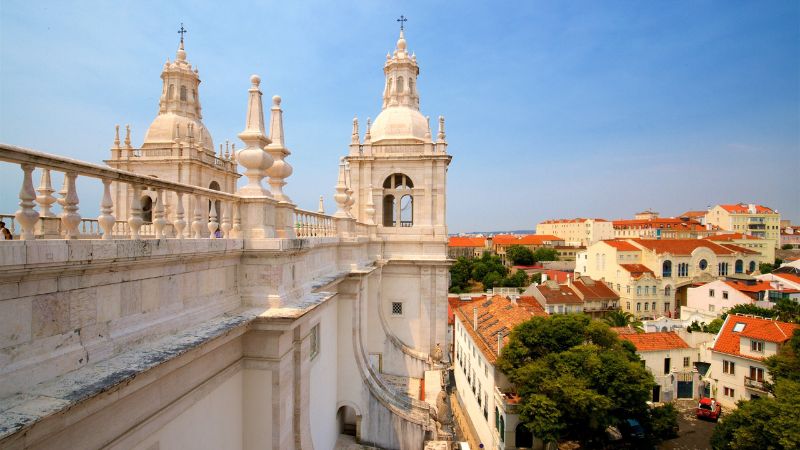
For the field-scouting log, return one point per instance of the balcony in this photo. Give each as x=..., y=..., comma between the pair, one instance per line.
x=756, y=226
x=755, y=384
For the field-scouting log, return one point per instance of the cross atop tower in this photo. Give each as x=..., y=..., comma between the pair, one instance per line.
x=182, y=31
x=402, y=21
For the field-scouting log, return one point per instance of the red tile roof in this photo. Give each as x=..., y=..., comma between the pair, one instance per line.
x=652, y=342
x=659, y=223
x=637, y=270
x=624, y=246
x=576, y=220
x=463, y=241
x=528, y=239
x=759, y=286
x=787, y=276
x=744, y=208
x=498, y=314
x=731, y=237
x=624, y=330
x=592, y=290
x=740, y=249
x=693, y=214
x=558, y=294
x=727, y=340
x=681, y=246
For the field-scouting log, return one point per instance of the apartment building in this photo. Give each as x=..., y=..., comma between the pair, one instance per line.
x=578, y=232
x=747, y=218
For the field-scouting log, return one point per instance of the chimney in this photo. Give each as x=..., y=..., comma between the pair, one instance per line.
x=499, y=342
x=569, y=280
x=475, y=319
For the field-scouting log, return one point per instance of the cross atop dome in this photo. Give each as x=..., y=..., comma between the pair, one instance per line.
x=182, y=31
x=402, y=21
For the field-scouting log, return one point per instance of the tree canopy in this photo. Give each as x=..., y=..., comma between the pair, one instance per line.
x=575, y=377
x=487, y=270
x=520, y=255
x=769, y=423
x=785, y=310
x=623, y=319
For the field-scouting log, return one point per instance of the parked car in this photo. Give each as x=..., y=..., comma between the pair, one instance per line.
x=708, y=408
x=632, y=429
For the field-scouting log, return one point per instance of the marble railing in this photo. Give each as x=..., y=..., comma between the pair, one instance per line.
x=36, y=219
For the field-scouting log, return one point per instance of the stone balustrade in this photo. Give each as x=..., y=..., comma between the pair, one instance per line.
x=35, y=220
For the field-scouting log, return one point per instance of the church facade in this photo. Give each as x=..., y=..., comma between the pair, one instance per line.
x=195, y=314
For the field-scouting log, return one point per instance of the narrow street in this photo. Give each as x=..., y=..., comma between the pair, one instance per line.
x=693, y=434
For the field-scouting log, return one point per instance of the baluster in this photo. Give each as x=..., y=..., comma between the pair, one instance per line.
x=45, y=197
x=159, y=222
x=197, y=223
x=226, y=219
x=237, y=220
x=27, y=216
x=213, y=225
x=69, y=216
x=179, y=223
x=135, y=221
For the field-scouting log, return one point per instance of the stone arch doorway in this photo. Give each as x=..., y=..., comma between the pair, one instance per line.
x=348, y=421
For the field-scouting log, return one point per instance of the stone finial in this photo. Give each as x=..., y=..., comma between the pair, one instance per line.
x=253, y=157
x=355, y=137
x=341, y=193
x=441, y=136
x=280, y=169
x=127, y=136
x=116, y=137
x=368, y=135
x=321, y=207
x=428, y=130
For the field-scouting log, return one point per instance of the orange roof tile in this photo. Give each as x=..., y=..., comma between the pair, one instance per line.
x=528, y=239
x=463, y=241
x=759, y=286
x=659, y=223
x=637, y=270
x=693, y=214
x=496, y=315
x=727, y=340
x=558, y=294
x=740, y=249
x=731, y=237
x=624, y=330
x=624, y=246
x=576, y=220
x=592, y=290
x=744, y=208
x=651, y=342
x=787, y=276
x=681, y=246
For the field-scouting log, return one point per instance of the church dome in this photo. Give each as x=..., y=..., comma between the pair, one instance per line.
x=399, y=123
x=162, y=131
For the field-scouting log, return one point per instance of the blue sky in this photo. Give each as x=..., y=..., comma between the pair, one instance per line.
x=554, y=109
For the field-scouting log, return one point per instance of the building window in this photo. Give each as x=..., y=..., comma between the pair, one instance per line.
x=638, y=306
x=757, y=374
x=628, y=289
x=183, y=93
x=397, y=308
x=752, y=266
x=710, y=292
x=398, y=202
x=703, y=264
x=725, y=295
x=728, y=367
x=683, y=270
x=646, y=306
x=654, y=306
x=723, y=268
x=666, y=365
x=728, y=392
x=757, y=346
x=685, y=361
x=628, y=306
x=711, y=308
x=647, y=290
x=666, y=269
x=667, y=291
x=738, y=266
x=314, y=341
x=638, y=291
x=666, y=306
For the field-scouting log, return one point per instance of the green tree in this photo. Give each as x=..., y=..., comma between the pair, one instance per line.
x=623, y=319
x=767, y=422
x=492, y=279
x=575, y=377
x=519, y=279
x=460, y=275
x=714, y=326
x=545, y=254
x=785, y=310
x=765, y=267
x=520, y=256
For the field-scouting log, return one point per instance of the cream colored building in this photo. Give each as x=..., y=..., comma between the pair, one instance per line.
x=751, y=219
x=286, y=331
x=765, y=247
x=651, y=276
x=577, y=232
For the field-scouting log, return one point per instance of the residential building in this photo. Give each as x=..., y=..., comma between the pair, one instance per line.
x=484, y=393
x=651, y=276
x=660, y=228
x=738, y=371
x=699, y=216
x=568, y=252
x=671, y=361
x=466, y=246
x=782, y=280
x=765, y=247
x=557, y=298
x=500, y=242
x=708, y=301
x=790, y=235
x=577, y=232
x=598, y=298
x=752, y=219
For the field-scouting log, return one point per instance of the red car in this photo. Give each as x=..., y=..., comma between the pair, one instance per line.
x=708, y=408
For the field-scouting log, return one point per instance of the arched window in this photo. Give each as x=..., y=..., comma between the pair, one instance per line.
x=399, y=85
x=524, y=437
x=398, y=201
x=171, y=92
x=752, y=266
x=739, y=266
x=668, y=291
x=183, y=93
x=147, y=209
x=502, y=429
x=666, y=269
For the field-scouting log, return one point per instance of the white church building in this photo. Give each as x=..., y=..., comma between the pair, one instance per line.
x=194, y=315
